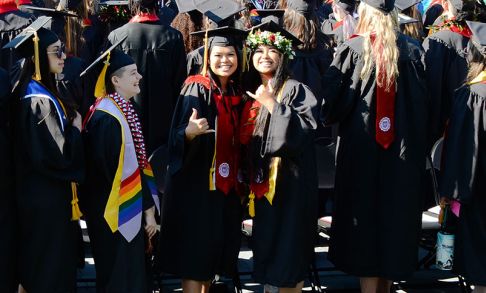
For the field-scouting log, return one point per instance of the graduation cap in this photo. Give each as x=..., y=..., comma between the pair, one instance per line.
x=478, y=38
x=185, y=5
x=48, y=11
x=305, y=7
x=223, y=37
x=405, y=4
x=113, y=60
x=404, y=19
x=273, y=27
x=348, y=5
x=27, y=42
x=274, y=15
x=384, y=6
x=218, y=10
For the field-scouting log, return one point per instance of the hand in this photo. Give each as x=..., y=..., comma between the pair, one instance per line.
x=78, y=121
x=196, y=126
x=264, y=95
x=150, y=223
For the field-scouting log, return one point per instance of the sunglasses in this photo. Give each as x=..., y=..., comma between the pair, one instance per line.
x=60, y=50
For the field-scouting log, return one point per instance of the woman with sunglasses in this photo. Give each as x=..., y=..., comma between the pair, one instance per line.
x=278, y=129
x=49, y=163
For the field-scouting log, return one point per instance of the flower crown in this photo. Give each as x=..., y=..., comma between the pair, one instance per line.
x=276, y=40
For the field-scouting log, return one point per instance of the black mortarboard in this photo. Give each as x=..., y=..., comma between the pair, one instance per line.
x=405, y=19
x=185, y=5
x=117, y=59
x=348, y=5
x=114, y=2
x=275, y=28
x=48, y=11
x=478, y=30
x=274, y=15
x=223, y=36
x=33, y=39
x=383, y=5
x=305, y=7
x=218, y=10
x=405, y=4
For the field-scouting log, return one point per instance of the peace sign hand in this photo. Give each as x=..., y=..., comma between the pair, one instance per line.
x=264, y=95
x=196, y=126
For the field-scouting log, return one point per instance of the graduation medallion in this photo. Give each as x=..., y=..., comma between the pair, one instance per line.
x=224, y=170
x=385, y=124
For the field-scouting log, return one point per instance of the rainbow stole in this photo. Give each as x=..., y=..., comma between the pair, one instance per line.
x=123, y=211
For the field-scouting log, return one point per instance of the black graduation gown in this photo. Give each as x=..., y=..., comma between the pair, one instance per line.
x=336, y=34
x=71, y=86
x=11, y=24
x=284, y=232
x=47, y=160
x=464, y=170
x=93, y=38
x=8, y=214
x=377, y=207
x=158, y=51
x=200, y=229
x=446, y=70
x=195, y=61
x=120, y=265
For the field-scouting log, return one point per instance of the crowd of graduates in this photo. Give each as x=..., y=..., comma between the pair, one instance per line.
x=165, y=124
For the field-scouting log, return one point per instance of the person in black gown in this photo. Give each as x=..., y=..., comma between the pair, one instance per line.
x=48, y=163
x=158, y=51
x=201, y=218
x=342, y=24
x=12, y=22
x=382, y=149
x=281, y=161
x=464, y=164
x=118, y=168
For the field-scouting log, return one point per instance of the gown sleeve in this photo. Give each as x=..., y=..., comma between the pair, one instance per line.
x=180, y=150
x=52, y=152
x=341, y=83
x=292, y=124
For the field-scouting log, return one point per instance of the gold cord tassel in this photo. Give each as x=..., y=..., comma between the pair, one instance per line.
x=100, y=88
x=244, y=59
x=251, y=205
x=37, y=74
x=205, y=58
x=76, y=212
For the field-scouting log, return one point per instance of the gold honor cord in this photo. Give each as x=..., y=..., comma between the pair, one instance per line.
x=100, y=88
x=76, y=212
x=480, y=78
x=205, y=58
x=37, y=74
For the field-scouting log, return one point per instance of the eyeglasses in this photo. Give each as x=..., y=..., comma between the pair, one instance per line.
x=60, y=50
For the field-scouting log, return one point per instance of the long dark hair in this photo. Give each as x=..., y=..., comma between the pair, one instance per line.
x=47, y=80
x=477, y=62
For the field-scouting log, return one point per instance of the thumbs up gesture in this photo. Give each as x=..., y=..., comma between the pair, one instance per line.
x=264, y=95
x=196, y=126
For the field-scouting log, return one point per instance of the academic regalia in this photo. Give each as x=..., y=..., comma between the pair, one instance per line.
x=194, y=61
x=446, y=70
x=11, y=24
x=48, y=162
x=333, y=29
x=432, y=16
x=8, y=213
x=377, y=207
x=464, y=170
x=93, y=38
x=284, y=232
x=158, y=51
x=202, y=212
x=118, y=247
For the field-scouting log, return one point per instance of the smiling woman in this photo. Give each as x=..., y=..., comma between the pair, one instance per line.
x=204, y=145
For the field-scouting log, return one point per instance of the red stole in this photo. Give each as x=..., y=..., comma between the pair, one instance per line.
x=145, y=17
x=385, y=110
x=463, y=30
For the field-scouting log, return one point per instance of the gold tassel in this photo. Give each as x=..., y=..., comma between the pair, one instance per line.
x=205, y=58
x=251, y=205
x=244, y=59
x=212, y=172
x=76, y=212
x=37, y=74
x=100, y=88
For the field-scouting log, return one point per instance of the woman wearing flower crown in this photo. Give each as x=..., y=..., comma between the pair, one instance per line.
x=279, y=123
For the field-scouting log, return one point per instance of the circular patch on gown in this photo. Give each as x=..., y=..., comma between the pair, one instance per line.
x=385, y=124
x=224, y=170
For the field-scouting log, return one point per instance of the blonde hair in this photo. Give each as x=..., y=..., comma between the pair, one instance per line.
x=304, y=28
x=382, y=53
